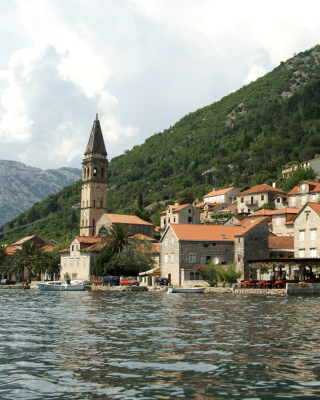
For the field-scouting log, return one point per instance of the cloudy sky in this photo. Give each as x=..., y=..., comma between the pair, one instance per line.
x=141, y=64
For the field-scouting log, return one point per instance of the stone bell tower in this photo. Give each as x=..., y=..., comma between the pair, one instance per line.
x=94, y=181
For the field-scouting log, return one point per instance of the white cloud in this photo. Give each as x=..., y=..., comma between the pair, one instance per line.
x=256, y=71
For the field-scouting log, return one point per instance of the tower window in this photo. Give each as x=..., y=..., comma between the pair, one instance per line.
x=87, y=203
x=82, y=222
x=102, y=172
x=101, y=203
x=93, y=222
x=88, y=173
x=95, y=171
x=94, y=203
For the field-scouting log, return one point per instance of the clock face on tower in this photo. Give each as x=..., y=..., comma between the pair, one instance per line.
x=85, y=213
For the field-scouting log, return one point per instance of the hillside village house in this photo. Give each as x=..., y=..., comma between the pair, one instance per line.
x=307, y=232
x=79, y=258
x=226, y=195
x=135, y=224
x=256, y=196
x=234, y=219
x=281, y=247
x=207, y=209
x=179, y=214
x=288, y=170
x=183, y=246
x=283, y=221
x=304, y=192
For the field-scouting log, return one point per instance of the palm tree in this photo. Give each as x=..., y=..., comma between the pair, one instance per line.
x=3, y=256
x=186, y=196
x=117, y=238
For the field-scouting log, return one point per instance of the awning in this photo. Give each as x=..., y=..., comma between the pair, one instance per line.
x=152, y=272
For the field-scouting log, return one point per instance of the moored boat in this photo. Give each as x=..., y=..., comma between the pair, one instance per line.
x=59, y=286
x=186, y=290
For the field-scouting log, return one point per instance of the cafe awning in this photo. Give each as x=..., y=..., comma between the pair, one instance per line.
x=151, y=272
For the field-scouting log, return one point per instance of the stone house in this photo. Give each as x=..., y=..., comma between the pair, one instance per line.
x=251, y=243
x=304, y=192
x=179, y=214
x=234, y=219
x=288, y=170
x=134, y=223
x=283, y=221
x=226, y=195
x=211, y=208
x=306, y=232
x=183, y=246
x=281, y=247
x=256, y=196
x=80, y=257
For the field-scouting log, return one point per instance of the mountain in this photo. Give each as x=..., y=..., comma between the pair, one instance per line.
x=22, y=186
x=243, y=140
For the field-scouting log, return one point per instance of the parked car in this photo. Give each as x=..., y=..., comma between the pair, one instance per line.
x=7, y=282
x=129, y=281
x=110, y=281
x=161, y=282
x=98, y=281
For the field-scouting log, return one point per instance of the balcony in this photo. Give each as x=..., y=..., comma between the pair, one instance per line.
x=251, y=203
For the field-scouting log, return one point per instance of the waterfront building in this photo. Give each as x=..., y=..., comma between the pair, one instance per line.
x=94, y=181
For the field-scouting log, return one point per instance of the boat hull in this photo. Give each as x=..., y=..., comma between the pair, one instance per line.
x=186, y=290
x=60, y=287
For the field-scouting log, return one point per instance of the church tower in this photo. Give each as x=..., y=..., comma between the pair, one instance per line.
x=94, y=181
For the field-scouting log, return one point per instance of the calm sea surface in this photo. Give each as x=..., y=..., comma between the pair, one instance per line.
x=98, y=345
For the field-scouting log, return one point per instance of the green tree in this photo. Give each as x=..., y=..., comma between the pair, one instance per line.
x=185, y=196
x=300, y=174
x=137, y=257
x=117, y=238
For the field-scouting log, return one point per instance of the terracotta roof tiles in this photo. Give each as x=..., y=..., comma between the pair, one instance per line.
x=261, y=188
x=249, y=227
x=218, y=192
x=313, y=187
x=212, y=233
x=126, y=219
x=281, y=242
x=287, y=210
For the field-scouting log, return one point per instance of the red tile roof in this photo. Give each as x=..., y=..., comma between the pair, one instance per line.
x=218, y=192
x=281, y=242
x=315, y=207
x=231, y=208
x=11, y=250
x=48, y=248
x=88, y=239
x=126, y=219
x=261, y=188
x=249, y=227
x=205, y=232
x=314, y=187
x=139, y=236
x=287, y=210
x=261, y=212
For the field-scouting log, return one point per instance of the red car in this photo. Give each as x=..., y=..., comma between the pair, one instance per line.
x=98, y=281
x=129, y=281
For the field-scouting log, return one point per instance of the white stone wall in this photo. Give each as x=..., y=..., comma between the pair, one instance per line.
x=307, y=244
x=279, y=226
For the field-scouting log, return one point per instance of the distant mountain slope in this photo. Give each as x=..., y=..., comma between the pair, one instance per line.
x=243, y=139
x=22, y=186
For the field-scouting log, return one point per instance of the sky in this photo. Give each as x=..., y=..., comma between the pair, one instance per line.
x=140, y=64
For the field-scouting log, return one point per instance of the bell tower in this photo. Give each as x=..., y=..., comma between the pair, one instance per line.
x=94, y=181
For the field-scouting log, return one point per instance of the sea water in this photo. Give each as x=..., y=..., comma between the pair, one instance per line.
x=127, y=345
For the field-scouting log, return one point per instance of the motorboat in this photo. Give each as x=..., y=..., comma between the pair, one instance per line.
x=186, y=290
x=59, y=286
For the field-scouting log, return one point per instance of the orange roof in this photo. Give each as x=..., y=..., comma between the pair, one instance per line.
x=47, y=248
x=11, y=250
x=199, y=232
x=217, y=192
x=249, y=227
x=139, y=236
x=261, y=188
x=94, y=247
x=287, y=210
x=281, y=242
x=88, y=239
x=261, y=212
x=315, y=207
x=231, y=208
x=126, y=219
x=313, y=187
x=244, y=222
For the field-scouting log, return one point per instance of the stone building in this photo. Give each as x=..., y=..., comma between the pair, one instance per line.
x=79, y=258
x=256, y=196
x=184, y=246
x=288, y=170
x=179, y=214
x=135, y=224
x=251, y=243
x=283, y=221
x=306, y=232
x=304, y=192
x=226, y=195
x=94, y=181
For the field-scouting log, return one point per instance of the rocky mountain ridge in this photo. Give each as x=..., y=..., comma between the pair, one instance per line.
x=21, y=186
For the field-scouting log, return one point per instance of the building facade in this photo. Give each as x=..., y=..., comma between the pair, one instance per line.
x=303, y=193
x=226, y=195
x=182, y=214
x=256, y=196
x=94, y=181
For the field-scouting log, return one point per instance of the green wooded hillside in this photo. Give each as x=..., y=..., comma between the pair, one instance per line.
x=243, y=139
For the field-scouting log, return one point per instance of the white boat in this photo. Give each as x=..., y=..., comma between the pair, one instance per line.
x=59, y=286
x=186, y=290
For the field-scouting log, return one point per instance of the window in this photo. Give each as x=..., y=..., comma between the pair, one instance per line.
x=202, y=260
x=168, y=220
x=307, y=216
x=208, y=258
x=72, y=248
x=278, y=221
x=94, y=203
x=101, y=204
x=166, y=241
x=239, y=257
x=278, y=200
x=303, y=199
x=73, y=277
x=303, y=187
x=172, y=240
x=93, y=222
x=191, y=276
x=84, y=262
x=102, y=172
x=313, y=197
x=192, y=257
x=241, y=199
x=174, y=220
x=189, y=220
x=313, y=234
x=293, y=200
x=95, y=171
x=64, y=262
x=172, y=257
x=301, y=253
x=166, y=258
x=262, y=197
x=313, y=253
x=301, y=236
x=189, y=211
x=71, y=262
x=77, y=262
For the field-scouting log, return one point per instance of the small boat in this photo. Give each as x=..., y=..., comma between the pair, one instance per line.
x=186, y=290
x=59, y=286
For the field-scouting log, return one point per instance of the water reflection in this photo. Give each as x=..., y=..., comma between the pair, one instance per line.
x=95, y=345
